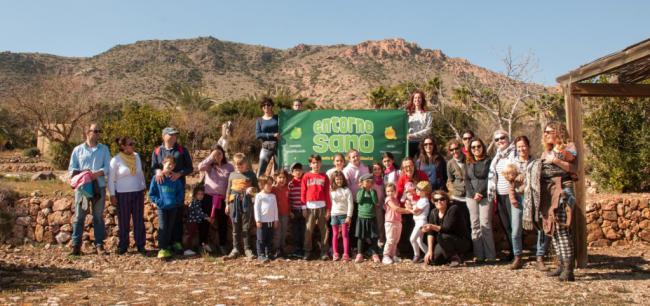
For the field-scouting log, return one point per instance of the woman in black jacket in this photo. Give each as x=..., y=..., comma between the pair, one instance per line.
x=447, y=238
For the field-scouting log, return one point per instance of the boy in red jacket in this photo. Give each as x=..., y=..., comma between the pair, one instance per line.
x=315, y=193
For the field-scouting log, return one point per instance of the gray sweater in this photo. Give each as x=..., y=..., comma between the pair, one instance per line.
x=476, y=178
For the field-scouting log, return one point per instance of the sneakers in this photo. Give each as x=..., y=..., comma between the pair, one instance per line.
x=359, y=259
x=336, y=257
x=324, y=257
x=397, y=259
x=387, y=260
x=189, y=252
x=455, y=261
x=233, y=254
x=375, y=258
x=164, y=254
x=249, y=254
x=177, y=247
x=346, y=257
x=101, y=250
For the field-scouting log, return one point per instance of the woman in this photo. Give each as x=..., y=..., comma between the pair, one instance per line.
x=419, y=120
x=215, y=170
x=267, y=130
x=480, y=209
x=447, y=239
x=456, y=179
x=499, y=187
x=408, y=173
x=431, y=163
x=126, y=186
x=468, y=135
x=557, y=196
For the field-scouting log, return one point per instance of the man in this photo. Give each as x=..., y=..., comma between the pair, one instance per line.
x=95, y=157
x=296, y=105
x=183, y=167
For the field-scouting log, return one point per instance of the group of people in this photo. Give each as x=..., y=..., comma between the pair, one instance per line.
x=443, y=207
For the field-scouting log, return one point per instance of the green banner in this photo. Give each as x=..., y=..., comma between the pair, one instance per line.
x=326, y=132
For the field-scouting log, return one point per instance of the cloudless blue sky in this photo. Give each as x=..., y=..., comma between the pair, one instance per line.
x=561, y=34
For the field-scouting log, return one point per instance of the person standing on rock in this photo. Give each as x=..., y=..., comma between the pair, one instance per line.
x=94, y=156
x=268, y=131
x=183, y=167
x=420, y=121
x=126, y=186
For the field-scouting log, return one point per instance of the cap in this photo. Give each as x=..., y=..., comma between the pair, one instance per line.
x=424, y=186
x=296, y=165
x=170, y=131
x=364, y=177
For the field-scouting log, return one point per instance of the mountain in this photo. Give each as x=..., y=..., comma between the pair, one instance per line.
x=226, y=70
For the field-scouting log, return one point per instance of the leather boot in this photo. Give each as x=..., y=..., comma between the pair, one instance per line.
x=517, y=263
x=540, y=264
x=76, y=250
x=558, y=271
x=567, y=272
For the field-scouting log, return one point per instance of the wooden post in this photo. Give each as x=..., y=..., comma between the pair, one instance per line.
x=573, y=107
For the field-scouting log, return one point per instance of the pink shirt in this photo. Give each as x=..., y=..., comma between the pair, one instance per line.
x=352, y=174
x=391, y=215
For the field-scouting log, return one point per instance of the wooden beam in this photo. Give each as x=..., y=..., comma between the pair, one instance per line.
x=610, y=90
x=573, y=107
x=607, y=63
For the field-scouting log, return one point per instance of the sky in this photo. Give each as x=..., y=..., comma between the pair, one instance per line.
x=561, y=35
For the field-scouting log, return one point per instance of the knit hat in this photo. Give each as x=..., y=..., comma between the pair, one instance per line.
x=424, y=186
x=365, y=177
x=295, y=165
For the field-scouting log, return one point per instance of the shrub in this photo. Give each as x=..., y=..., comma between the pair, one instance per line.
x=60, y=155
x=7, y=197
x=31, y=152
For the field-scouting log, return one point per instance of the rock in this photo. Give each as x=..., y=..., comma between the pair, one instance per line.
x=635, y=216
x=620, y=209
x=66, y=228
x=63, y=237
x=610, y=215
x=619, y=243
x=38, y=233
x=62, y=204
x=609, y=206
x=41, y=218
x=644, y=204
x=47, y=203
x=43, y=175
x=591, y=207
x=59, y=218
x=592, y=217
x=612, y=234
x=600, y=243
x=18, y=232
x=645, y=235
x=35, y=193
x=33, y=210
x=24, y=221
x=112, y=210
x=595, y=235
x=645, y=214
x=623, y=224
x=645, y=224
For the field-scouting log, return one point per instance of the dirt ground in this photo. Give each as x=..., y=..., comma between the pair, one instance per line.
x=37, y=275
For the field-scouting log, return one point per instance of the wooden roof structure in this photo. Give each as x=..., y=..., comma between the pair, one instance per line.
x=625, y=70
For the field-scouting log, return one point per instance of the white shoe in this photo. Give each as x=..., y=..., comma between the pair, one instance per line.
x=396, y=259
x=387, y=260
x=207, y=248
x=189, y=252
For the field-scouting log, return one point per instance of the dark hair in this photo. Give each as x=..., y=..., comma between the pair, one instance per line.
x=266, y=100
x=380, y=167
x=522, y=138
x=422, y=156
x=122, y=141
x=468, y=132
x=339, y=154
x=408, y=158
x=284, y=172
x=332, y=178
x=316, y=157
x=441, y=193
x=472, y=158
x=410, y=106
x=197, y=188
x=223, y=160
x=388, y=154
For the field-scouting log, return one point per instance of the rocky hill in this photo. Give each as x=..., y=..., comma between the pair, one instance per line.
x=226, y=70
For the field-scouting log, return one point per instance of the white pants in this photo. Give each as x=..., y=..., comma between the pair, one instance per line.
x=416, y=238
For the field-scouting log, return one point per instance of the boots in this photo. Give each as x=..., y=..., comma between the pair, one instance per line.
x=567, y=271
x=517, y=264
x=76, y=250
x=557, y=271
x=540, y=264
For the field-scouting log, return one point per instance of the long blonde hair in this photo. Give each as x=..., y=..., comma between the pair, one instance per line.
x=561, y=133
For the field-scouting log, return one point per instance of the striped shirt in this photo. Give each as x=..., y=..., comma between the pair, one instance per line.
x=294, y=194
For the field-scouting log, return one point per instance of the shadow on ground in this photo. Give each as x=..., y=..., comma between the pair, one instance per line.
x=625, y=268
x=20, y=278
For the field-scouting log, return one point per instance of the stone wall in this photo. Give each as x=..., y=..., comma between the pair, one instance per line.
x=618, y=219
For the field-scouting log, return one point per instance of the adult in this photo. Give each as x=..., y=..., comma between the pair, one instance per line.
x=499, y=187
x=420, y=121
x=126, y=186
x=432, y=163
x=226, y=134
x=456, y=179
x=447, y=238
x=94, y=157
x=468, y=135
x=480, y=209
x=183, y=167
x=267, y=130
x=408, y=173
x=215, y=169
x=296, y=105
x=557, y=196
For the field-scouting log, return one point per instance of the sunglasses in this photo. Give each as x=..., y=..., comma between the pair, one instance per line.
x=428, y=144
x=477, y=147
x=467, y=138
x=436, y=200
x=549, y=132
x=96, y=131
x=496, y=139
x=453, y=149
x=267, y=105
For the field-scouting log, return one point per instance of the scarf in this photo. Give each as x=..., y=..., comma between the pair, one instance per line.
x=129, y=160
x=378, y=180
x=531, y=215
x=388, y=170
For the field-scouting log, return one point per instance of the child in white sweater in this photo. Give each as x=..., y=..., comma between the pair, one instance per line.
x=341, y=214
x=266, y=217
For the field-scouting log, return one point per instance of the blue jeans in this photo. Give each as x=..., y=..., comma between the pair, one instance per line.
x=166, y=222
x=542, y=243
x=97, y=209
x=265, y=157
x=511, y=221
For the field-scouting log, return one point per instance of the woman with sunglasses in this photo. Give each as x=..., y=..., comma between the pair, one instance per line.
x=267, y=130
x=447, y=239
x=432, y=163
x=126, y=186
x=480, y=209
x=499, y=188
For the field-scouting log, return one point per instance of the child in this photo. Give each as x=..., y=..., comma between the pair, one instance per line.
x=391, y=173
x=195, y=216
x=366, y=230
x=266, y=217
x=420, y=213
x=378, y=186
x=239, y=205
x=341, y=215
x=315, y=193
x=339, y=164
x=298, y=210
x=393, y=223
x=409, y=195
x=354, y=170
x=510, y=173
x=168, y=196
x=281, y=192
